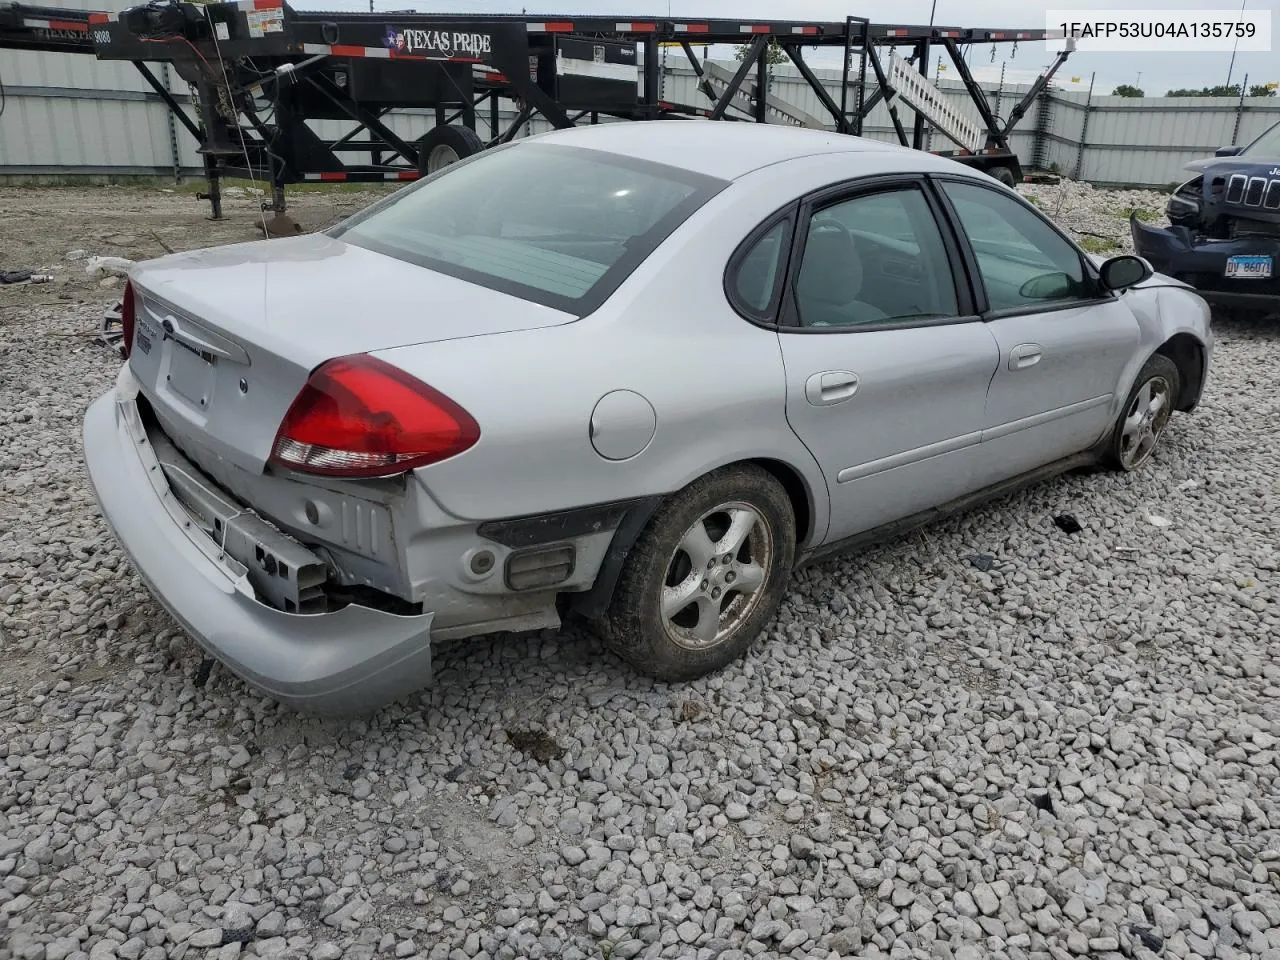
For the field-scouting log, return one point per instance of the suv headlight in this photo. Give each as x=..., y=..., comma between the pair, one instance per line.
x=1185, y=205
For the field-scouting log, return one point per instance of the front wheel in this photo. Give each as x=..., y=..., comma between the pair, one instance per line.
x=705, y=576
x=1145, y=414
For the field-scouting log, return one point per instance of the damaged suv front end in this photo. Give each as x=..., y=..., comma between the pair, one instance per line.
x=1224, y=233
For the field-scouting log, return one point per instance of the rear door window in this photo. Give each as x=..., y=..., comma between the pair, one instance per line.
x=875, y=259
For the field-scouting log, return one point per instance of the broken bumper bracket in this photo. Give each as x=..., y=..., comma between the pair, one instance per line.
x=286, y=575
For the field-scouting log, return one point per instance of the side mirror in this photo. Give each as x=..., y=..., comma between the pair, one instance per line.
x=1227, y=151
x=1120, y=273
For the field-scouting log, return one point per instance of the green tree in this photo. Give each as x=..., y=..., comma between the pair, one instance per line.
x=775, y=54
x=1127, y=90
x=1222, y=90
x=1262, y=90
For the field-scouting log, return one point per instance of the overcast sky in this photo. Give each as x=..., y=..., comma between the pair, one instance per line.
x=1154, y=72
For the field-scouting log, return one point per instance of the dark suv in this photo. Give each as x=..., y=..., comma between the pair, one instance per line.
x=1225, y=233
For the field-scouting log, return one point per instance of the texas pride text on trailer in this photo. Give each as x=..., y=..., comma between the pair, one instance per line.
x=444, y=42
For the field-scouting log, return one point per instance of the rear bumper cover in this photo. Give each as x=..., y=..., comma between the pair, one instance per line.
x=349, y=661
x=1177, y=253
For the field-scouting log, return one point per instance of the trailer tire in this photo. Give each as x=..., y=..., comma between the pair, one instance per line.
x=1005, y=176
x=441, y=146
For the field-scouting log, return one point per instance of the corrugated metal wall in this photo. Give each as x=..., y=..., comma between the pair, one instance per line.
x=73, y=112
x=1148, y=141
x=75, y=115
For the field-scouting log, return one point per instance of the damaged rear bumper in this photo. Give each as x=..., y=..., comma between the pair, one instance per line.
x=1202, y=262
x=346, y=661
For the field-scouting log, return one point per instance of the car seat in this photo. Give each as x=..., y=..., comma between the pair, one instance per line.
x=831, y=280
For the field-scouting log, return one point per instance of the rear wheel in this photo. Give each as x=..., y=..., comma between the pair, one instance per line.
x=444, y=145
x=1145, y=414
x=705, y=577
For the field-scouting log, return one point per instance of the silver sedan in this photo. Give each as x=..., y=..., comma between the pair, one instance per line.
x=635, y=372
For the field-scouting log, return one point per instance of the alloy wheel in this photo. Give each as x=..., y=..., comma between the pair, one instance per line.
x=714, y=578
x=1144, y=422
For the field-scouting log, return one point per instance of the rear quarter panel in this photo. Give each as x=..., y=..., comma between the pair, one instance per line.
x=715, y=381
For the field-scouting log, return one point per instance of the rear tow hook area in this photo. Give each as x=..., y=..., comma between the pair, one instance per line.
x=286, y=575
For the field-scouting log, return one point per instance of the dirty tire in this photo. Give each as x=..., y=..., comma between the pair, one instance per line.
x=452, y=139
x=640, y=625
x=1130, y=445
x=1004, y=175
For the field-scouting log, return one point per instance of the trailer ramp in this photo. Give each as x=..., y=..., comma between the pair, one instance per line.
x=923, y=96
x=777, y=110
x=905, y=81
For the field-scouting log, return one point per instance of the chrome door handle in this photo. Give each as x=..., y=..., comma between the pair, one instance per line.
x=1024, y=355
x=830, y=386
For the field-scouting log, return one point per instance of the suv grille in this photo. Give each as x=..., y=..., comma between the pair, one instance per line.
x=1248, y=191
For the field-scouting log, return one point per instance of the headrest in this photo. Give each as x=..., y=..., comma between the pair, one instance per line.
x=830, y=272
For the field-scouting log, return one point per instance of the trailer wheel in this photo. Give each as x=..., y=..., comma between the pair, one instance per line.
x=1004, y=175
x=441, y=146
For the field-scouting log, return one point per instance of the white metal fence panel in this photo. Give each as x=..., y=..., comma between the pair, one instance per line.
x=26, y=68
x=73, y=113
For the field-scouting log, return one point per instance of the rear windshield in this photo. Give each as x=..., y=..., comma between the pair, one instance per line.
x=561, y=226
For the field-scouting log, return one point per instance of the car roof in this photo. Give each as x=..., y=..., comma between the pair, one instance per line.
x=731, y=150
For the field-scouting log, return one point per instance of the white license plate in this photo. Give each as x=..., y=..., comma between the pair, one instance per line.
x=1248, y=268
x=190, y=375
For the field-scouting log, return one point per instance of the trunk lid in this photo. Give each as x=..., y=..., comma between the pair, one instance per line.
x=226, y=337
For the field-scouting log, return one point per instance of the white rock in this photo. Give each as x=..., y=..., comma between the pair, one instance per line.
x=1020, y=761
x=293, y=825
x=986, y=899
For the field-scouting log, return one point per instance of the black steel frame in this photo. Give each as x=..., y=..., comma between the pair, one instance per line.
x=292, y=71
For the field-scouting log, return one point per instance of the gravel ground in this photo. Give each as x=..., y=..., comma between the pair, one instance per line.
x=1098, y=218
x=1072, y=753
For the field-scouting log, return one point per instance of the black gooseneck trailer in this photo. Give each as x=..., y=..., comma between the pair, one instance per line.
x=259, y=69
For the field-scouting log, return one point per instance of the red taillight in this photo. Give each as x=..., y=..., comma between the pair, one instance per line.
x=360, y=417
x=128, y=317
